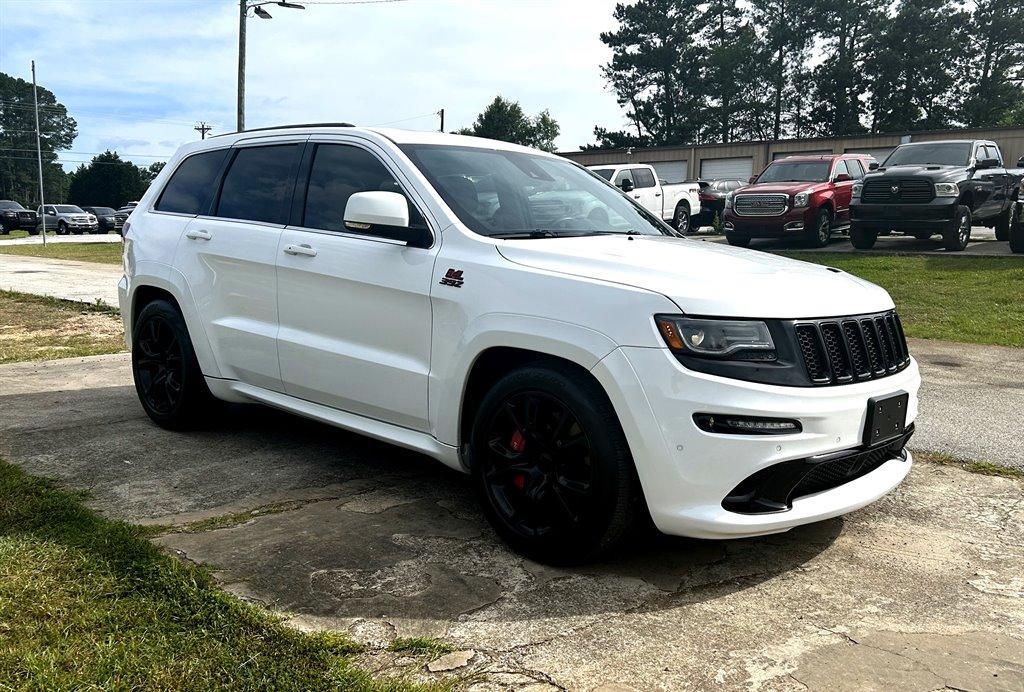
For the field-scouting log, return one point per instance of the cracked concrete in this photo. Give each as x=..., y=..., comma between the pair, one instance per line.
x=920, y=591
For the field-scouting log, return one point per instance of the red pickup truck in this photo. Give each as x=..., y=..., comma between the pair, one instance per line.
x=805, y=197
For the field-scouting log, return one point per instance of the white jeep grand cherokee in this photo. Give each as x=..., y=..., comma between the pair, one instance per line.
x=449, y=295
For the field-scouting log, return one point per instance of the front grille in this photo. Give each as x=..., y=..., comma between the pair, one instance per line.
x=760, y=205
x=897, y=190
x=850, y=349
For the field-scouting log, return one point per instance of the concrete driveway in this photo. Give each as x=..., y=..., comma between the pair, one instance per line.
x=921, y=591
x=85, y=282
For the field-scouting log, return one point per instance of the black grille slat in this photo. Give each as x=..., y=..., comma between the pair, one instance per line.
x=908, y=191
x=858, y=348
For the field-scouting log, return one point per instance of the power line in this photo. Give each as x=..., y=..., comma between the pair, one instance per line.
x=86, y=153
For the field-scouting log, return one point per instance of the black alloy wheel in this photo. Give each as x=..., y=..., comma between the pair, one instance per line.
x=956, y=238
x=682, y=219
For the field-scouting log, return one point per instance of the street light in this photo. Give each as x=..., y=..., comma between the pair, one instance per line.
x=243, y=10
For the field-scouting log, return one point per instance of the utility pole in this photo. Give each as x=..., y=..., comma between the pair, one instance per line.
x=39, y=154
x=202, y=128
x=243, y=7
x=441, y=113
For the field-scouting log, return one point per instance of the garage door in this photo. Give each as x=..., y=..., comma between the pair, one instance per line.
x=878, y=152
x=736, y=169
x=670, y=171
x=784, y=154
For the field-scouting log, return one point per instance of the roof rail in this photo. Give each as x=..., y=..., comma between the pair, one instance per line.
x=286, y=127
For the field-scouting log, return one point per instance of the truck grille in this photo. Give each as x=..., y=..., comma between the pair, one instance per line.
x=760, y=205
x=897, y=190
x=852, y=349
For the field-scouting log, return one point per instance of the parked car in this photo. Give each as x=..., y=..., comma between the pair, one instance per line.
x=928, y=188
x=1017, y=217
x=712, y=199
x=676, y=203
x=14, y=217
x=109, y=220
x=67, y=219
x=804, y=197
x=586, y=374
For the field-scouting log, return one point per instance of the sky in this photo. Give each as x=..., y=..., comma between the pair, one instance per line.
x=138, y=74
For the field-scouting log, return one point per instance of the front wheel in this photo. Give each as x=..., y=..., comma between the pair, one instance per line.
x=822, y=231
x=551, y=466
x=167, y=376
x=863, y=238
x=681, y=219
x=955, y=238
x=62, y=228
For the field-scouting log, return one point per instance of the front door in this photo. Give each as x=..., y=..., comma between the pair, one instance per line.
x=355, y=317
x=842, y=192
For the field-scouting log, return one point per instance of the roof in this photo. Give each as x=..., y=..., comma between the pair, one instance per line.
x=822, y=157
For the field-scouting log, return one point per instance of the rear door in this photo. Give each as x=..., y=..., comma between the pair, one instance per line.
x=229, y=258
x=355, y=314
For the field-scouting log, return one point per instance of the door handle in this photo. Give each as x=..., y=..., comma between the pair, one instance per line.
x=657, y=194
x=303, y=249
x=636, y=196
x=199, y=235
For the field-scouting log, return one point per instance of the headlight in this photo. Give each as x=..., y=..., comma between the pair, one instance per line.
x=728, y=201
x=947, y=190
x=711, y=338
x=800, y=199
x=857, y=187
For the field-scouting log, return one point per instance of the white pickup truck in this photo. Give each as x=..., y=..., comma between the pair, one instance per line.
x=676, y=203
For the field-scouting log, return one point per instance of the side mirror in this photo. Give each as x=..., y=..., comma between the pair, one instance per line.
x=843, y=177
x=873, y=166
x=752, y=179
x=627, y=185
x=384, y=214
x=987, y=163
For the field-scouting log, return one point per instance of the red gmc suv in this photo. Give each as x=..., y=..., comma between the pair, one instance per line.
x=804, y=197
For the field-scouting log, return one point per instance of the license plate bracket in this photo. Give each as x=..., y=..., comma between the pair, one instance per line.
x=886, y=419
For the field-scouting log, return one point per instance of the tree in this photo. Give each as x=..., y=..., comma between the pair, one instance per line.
x=996, y=65
x=150, y=172
x=506, y=121
x=108, y=181
x=19, y=172
x=731, y=48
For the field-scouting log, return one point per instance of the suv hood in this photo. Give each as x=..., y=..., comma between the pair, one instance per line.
x=788, y=188
x=705, y=278
x=933, y=172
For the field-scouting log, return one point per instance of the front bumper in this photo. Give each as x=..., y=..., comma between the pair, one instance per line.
x=792, y=222
x=687, y=473
x=936, y=216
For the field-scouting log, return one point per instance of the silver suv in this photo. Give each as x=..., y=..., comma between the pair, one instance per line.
x=67, y=218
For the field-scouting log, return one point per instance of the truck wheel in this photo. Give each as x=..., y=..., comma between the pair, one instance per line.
x=862, y=238
x=1017, y=228
x=822, y=231
x=551, y=466
x=738, y=240
x=956, y=238
x=681, y=218
x=1003, y=222
x=62, y=228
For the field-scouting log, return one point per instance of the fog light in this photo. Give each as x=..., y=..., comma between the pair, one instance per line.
x=745, y=425
x=795, y=226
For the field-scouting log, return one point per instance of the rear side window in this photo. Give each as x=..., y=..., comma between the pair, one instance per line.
x=191, y=186
x=642, y=177
x=856, y=169
x=840, y=169
x=339, y=171
x=258, y=185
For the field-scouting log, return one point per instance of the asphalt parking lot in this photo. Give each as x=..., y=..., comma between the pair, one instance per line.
x=983, y=244
x=920, y=591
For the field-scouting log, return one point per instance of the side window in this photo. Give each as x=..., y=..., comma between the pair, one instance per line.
x=643, y=177
x=840, y=169
x=339, y=171
x=190, y=188
x=625, y=174
x=856, y=169
x=991, y=152
x=259, y=183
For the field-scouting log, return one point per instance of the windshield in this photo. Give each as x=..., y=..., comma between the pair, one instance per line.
x=68, y=209
x=937, y=154
x=605, y=173
x=796, y=172
x=507, y=194
x=102, y=211
x=8, y=204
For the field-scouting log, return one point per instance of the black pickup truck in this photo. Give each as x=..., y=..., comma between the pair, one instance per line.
x=928, y=188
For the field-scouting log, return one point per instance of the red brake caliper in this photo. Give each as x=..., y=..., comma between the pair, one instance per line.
x=517, y=444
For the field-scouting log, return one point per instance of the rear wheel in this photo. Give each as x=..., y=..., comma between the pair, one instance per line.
x=167, y=376
x=551, y=466
x=1017, y=228
x=863, y=238
x=1003, y=222
x=738, y=240
x=956, y=238
x=681, y=218
x=822, y=231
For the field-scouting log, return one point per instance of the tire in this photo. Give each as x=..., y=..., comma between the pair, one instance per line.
x=862, y=238
x=955, y=239
x=167, y=376
x=1003, y=222
x=1017, y=228
x=62, y=228
x=681, y=219
x=738, y=240
x=821, y=234
x=558, y=507
x=34, y=231
x=922, y=235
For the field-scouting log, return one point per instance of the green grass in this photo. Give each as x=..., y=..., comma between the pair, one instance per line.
x=104, y=253
x=970, y=299
x=985, y=468
x=40, y=328
x=89, y=603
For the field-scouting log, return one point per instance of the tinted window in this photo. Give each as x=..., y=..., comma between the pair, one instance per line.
x=939, y=154
x=258, y=185
x=338, y=172
x=191, y=187
x=840, y=169
x=856, y=169
x=991, y=152
x=795, y=171
x=605, y=173
x=69, y=209
x=643, y=177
